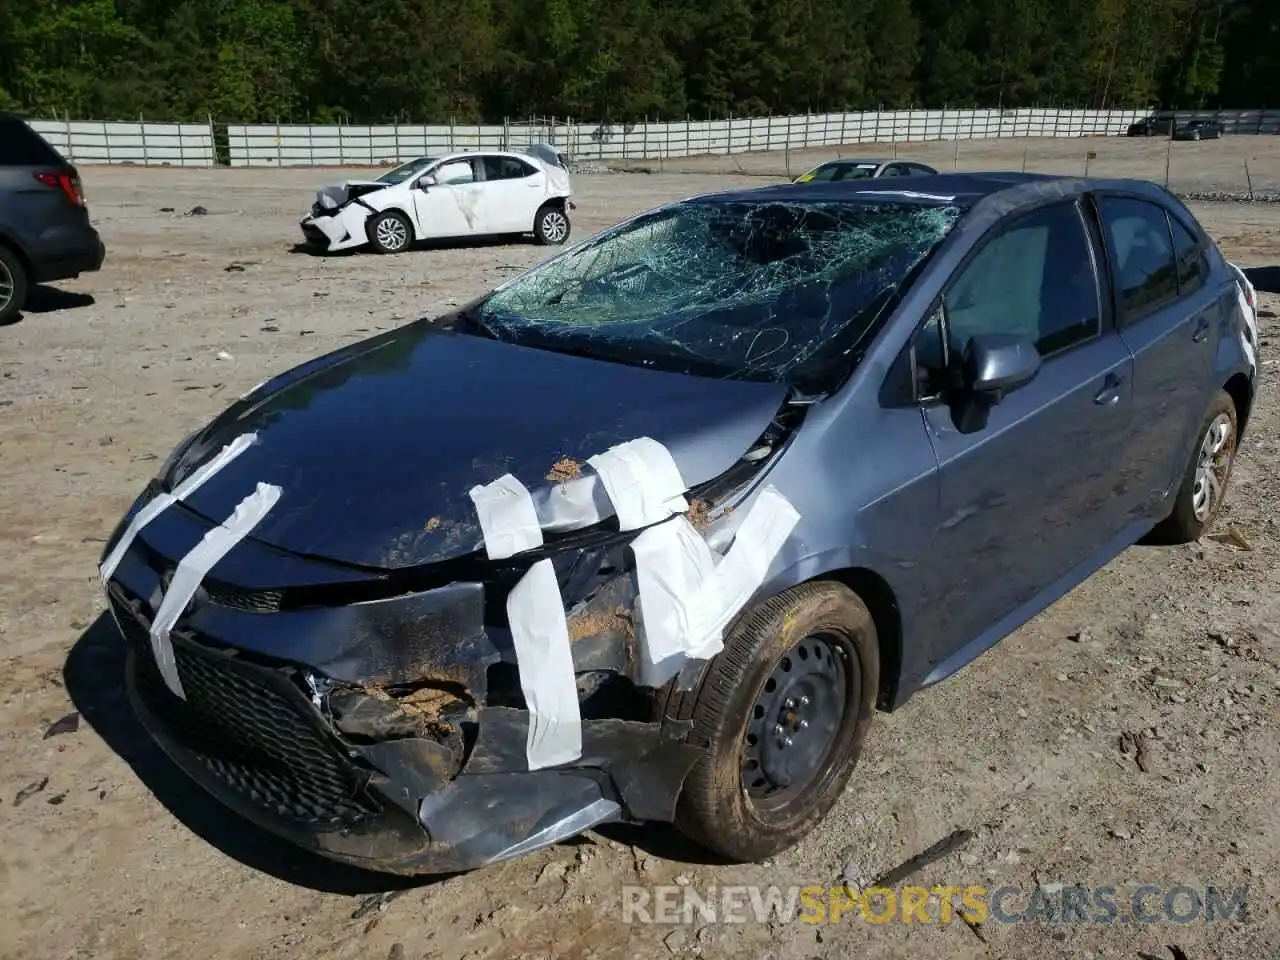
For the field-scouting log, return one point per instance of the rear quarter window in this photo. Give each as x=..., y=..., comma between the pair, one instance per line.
x=20, y=146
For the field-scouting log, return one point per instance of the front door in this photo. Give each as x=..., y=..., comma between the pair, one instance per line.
x=1172, y=322
x=448, y=207
x=1028, y=496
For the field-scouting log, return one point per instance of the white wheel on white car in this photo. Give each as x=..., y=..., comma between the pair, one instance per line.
x=551, y=226
x=389, y=232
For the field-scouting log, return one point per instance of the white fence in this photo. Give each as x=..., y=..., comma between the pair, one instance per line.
x=288, y=145
x=282, y=145
x=159, y=144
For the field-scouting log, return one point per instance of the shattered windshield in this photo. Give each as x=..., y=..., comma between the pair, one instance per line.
x=762, y=290
x=406, y=170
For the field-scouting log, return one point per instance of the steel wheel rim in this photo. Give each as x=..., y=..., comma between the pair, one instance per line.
x=1213, y=463
x=555, y=226
x=7, y=285
x=797, y=719
x=392, y=233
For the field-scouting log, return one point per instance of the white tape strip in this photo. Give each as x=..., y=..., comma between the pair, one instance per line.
x=1250, y=338
x=642, y=480
x=215, y=545
x=155, y=507
x=688, y=595
x=507, y=517
x=535, y=612
x=736, y=579
x=572, y=505
x=539, y=633
x=674, y=565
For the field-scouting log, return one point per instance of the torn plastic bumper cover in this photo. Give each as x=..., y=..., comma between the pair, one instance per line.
x=381, y=773
x=510, y=698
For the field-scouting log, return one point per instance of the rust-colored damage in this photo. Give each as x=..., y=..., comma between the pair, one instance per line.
x=426, y=705
x=699, y=514
x=564, y=470
x=590, y=623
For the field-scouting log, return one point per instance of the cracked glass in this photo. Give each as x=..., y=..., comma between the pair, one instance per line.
x=766, y=290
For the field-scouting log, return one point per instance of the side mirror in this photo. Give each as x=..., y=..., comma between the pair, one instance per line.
x=995, y=363
x=426, y=180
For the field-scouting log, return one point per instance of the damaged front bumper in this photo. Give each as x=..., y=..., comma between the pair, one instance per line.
x=341, y=228
x=387, y=734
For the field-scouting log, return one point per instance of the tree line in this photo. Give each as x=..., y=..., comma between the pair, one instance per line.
x=624, y=60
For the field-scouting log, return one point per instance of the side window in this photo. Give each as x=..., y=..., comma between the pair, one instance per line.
x=505, y=168
x=1193, y=269
x=1142, y=251
x=892, y=170
x=1035, y=280
x=455, y=171
x=832, y=171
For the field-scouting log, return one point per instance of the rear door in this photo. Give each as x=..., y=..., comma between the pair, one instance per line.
x=1028, y=497
x=1172, y=322
x=511, y=194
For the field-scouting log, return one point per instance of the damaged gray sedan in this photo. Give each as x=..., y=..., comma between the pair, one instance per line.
x=649, y=532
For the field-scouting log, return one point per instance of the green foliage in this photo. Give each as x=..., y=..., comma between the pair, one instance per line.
x=624, y=60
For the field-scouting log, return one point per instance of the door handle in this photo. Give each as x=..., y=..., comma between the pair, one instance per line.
x=1109, y=395
x=1201, y=331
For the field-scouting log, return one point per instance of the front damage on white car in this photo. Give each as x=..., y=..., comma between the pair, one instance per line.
x=341, y=215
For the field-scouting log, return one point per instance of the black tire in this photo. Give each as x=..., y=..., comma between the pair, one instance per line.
x=717, y=808
x=13, y=285
x=1188, y=520
x=551, y=225
x=390, y=232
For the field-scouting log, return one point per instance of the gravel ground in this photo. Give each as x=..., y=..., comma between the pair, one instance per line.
x=1127, y=736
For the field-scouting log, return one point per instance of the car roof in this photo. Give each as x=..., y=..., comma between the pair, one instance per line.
x=964, y=189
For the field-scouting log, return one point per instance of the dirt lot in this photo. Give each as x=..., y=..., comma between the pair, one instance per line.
x=1125, y=737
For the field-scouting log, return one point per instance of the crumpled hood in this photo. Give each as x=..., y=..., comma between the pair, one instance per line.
x=335, y=195
x=376, y=447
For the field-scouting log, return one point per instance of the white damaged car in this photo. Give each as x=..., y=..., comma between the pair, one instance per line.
x=454, y=195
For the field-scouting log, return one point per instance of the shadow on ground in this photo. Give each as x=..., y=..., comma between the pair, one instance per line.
x=661, y=840
x=42, y=299
x=451, y=243
x=1264, y=279
x=94, y=677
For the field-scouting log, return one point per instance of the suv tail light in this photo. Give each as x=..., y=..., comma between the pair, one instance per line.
x=66, y=182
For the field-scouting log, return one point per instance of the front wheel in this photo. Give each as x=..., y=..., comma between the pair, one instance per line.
x=1204, y=485
x=551, y=226
x=389, y=232
x=783, y=710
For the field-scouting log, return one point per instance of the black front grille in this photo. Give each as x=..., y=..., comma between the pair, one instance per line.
x=250, y=601
x=247, y=725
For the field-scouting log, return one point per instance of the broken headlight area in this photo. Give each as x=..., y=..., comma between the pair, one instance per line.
x=378, y=717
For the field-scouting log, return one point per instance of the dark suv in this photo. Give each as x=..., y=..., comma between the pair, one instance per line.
x=1156, y=125
x=44, y=226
